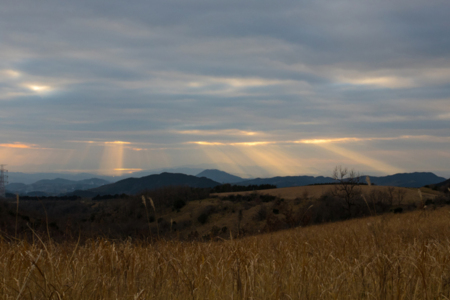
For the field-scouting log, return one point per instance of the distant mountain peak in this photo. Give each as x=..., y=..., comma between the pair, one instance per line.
x=133, y=186
x=219, y=176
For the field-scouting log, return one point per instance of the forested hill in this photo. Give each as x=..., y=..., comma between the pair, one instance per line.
x=133, y=186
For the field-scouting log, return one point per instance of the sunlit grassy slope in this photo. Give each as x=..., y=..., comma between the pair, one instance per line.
x=316, y=191
x=401, y=256
x=225, y=212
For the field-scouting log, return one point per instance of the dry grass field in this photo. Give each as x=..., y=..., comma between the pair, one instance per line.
x=401, y=256
x=242, y=214
x=225, y=212
x=316, y=191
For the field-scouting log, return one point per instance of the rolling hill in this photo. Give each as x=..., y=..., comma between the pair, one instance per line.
x=220, y=176
x=416, y=179
x=288, y=181
x=441, y=185
x=133, y=186
x=54, y=187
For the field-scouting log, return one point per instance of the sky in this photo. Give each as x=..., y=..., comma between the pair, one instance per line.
x=256, y=88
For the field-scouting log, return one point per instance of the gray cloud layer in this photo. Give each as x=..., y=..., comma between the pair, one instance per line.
x=161, y=75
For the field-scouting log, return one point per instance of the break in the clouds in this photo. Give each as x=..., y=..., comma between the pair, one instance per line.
x=256, y=88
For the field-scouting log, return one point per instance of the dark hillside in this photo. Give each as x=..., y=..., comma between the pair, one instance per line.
x=288, y=181
x=220, y=176
x=416, y=179
x=442, y=186
x=133, y=186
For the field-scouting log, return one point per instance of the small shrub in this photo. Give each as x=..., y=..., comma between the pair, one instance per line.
x=203, y=218
x=53, y=224
x=267, y=198
x=214, y=231
x=178, y=204
x=261, y=214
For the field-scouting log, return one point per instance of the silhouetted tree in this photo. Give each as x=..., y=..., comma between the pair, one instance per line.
x=347, y=186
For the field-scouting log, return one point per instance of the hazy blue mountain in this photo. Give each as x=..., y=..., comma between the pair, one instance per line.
x=13, y=187
x=220, y=176
x=38, y=194
x=30, y=178
x=133, y=186
x=55, y=186
x=180, y=170
x=416, y=179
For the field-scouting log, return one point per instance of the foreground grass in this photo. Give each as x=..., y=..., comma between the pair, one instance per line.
x=389, y=257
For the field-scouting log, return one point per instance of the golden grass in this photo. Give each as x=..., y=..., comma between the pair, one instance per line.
x=389, y=257
x=316, y=191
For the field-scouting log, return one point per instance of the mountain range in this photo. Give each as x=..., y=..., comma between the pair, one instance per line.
x=416, y=179
x=206, y=178
x=288, y=181
x=53, y=187
x=30, y=178
x=133, y=186
x=412, y=180
x=220, y=176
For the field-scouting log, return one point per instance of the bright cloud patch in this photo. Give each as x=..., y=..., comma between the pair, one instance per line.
x=17, y=146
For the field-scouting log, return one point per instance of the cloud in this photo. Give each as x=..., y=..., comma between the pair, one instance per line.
x=178, y=75
x=231, y=144
x=17, y=145
x=232, y=132
x=117, y=143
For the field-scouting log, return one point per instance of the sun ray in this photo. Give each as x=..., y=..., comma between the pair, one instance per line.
x=270, y=160
x=361, y=159
x=112, y=158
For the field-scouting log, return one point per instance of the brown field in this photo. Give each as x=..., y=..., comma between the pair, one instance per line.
x=225, y=212
x=402, y=256
x=316, y=191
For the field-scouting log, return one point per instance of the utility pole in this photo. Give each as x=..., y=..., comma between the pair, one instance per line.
x=3, y=180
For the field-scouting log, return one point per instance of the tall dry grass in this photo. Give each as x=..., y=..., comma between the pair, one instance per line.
x=388, y=257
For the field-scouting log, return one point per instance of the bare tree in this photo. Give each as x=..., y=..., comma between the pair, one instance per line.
x=347, y=185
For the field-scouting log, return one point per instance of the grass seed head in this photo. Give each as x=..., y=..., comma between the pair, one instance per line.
x=153, y=204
